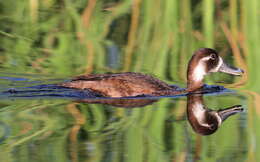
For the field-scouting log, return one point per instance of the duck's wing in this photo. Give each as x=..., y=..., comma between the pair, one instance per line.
x=129, y=79
x=120, y=84
x=96, y=77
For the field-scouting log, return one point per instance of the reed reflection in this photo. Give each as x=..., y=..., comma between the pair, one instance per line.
x=203, y=120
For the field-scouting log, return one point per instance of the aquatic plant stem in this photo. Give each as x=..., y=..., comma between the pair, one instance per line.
x=208, y=22
x=86, y=18
x=236, y=53
x=132, y=34
x=79, y=121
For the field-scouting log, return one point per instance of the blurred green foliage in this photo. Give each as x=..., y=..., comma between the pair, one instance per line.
x=66, y=38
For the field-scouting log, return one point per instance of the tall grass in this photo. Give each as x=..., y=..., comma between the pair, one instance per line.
x=66, y=38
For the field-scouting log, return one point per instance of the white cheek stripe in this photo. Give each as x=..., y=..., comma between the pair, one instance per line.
x=199, y=112
x=219, y=119
x=220, y=62
x=199, y=71
x=206, y=58
x=219, y=65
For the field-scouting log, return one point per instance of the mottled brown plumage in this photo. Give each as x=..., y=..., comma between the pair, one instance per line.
x=120, y=84
x=203, y=61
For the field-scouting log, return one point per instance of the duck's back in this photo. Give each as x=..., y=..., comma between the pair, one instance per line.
x=119, y=84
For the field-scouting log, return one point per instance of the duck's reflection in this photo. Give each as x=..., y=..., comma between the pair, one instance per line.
x=121, y=102
x=203, y=120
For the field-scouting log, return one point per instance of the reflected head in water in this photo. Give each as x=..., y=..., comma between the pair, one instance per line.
x=203, y=62
x=205, y=121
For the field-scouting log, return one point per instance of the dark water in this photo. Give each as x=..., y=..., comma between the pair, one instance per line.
x=40, y=121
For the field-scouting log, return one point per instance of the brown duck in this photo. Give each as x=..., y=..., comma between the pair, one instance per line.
x=203, y=62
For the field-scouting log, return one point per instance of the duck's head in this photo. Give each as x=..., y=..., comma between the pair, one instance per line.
x=203, y=62
x=206, y=121
x=210, y=120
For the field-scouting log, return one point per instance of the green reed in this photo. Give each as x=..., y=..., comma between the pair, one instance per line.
x=67, y=38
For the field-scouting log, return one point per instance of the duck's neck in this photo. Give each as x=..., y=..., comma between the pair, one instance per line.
x=195, y=109
x=195, y=77
x=194, y=85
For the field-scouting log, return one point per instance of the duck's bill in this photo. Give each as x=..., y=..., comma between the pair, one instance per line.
x=230, y=70
x=225, y=113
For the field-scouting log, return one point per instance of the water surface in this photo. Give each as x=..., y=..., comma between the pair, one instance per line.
x=46, y=42
x=40, y=121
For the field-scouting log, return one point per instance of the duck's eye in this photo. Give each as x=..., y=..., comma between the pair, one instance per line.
x=213, y=56
x=212, y=127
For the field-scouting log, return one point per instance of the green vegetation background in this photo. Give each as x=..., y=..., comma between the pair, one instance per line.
x=63, y=38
